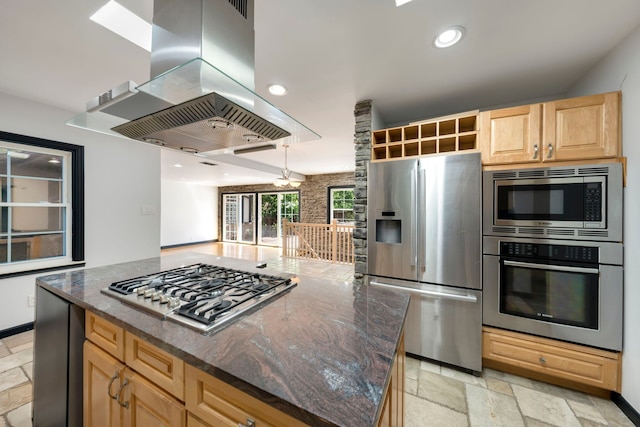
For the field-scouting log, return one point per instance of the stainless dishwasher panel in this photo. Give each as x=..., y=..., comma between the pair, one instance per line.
x=443, y=323
x=57, y=361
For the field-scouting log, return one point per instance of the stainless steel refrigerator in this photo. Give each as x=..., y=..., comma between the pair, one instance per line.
x=424, y=236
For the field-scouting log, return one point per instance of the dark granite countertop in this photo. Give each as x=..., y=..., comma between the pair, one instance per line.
x=321, y=353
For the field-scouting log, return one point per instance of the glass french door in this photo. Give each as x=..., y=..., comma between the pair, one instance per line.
x=239, y=218
x=272, y=208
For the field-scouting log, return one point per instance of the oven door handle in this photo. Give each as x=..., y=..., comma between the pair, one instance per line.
x=552, y=267
x=433, y=294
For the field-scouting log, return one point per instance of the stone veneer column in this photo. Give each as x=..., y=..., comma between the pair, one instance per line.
x=362, y=141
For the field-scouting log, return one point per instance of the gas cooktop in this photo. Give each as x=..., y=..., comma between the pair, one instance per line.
x=200, y=296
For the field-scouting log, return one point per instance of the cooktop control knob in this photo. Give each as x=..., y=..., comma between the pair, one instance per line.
x=141, y=289
x=174, y=302
x=164, y=299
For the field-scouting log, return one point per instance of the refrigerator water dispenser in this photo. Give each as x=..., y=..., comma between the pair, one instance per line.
x=389, y=231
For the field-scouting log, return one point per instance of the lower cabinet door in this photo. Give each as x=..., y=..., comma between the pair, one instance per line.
x=102, y=379
x=196, y=422
x=220, y=404
x=146, y=405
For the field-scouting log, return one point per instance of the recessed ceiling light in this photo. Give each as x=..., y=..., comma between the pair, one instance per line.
x=401, y=2
x=276, y=89
x=177, y=165
x=117, y=18
x=54, y=160
x=449, y=37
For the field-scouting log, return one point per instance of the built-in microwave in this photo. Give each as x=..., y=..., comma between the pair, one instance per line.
x=571, y=202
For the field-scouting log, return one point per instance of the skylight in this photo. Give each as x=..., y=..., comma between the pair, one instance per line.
x=117, y=18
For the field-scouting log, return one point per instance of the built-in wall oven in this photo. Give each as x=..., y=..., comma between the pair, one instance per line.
x=569, y=202
x=567, y=290
x=553, y=252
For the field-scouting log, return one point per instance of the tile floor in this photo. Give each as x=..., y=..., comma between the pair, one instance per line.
x=435, y=395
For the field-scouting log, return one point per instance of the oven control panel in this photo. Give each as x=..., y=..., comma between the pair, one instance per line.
x=549, y=251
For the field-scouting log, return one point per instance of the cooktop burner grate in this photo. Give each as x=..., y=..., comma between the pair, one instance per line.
x=199, y=295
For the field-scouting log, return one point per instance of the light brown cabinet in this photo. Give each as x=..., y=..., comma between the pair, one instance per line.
x=392, y=414
x=587, y=127
x=582, y=128
x=220, y=404
x=129, y=382
x=101, y=382
x=105, y=335
x=117, y=395
x=163, y=369
x=566, y=364
x=144, y=404
x=511, y=135
x=435, y=136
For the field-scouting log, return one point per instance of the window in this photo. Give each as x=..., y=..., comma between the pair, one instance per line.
x=41, y=206
x=341, y=205
x=257, y=217
x=238, y=224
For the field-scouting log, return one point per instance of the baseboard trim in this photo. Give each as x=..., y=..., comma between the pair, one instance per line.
x=16, y=330
x=625, y=407
x=180, y=245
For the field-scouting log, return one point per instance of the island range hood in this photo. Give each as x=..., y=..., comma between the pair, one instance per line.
x=201, y=95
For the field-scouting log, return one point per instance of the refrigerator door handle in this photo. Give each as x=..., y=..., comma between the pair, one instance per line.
x=434, y=294
x=414, y=244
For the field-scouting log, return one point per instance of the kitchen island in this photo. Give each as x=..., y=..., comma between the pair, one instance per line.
x=326, y=353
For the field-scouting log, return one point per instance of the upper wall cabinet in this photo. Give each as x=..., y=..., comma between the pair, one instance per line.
x=581, y=128
x=435, y=136
x=511, y=135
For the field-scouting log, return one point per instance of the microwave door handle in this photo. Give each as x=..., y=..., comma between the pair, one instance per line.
x=552, y=267
x=436, y=294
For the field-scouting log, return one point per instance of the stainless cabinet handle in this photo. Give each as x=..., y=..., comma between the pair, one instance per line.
x=113, y=378
x=250, y=423
x=124, y=404
x=552, y=267
x=434, y=294
x=550, y=151
x=535, y=151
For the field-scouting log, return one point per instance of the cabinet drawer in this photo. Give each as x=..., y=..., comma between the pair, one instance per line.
x=162, y=368
x=105, y=335
x=192, y=421
x=223, y=405
x=572, y=362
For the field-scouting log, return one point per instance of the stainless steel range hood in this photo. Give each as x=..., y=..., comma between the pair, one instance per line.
x=200, y=97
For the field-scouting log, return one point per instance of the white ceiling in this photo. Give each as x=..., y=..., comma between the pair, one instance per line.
x=330, y=55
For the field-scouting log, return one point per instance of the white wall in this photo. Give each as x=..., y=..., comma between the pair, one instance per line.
x=620, y=70
x=120, y=177
x=189, y=213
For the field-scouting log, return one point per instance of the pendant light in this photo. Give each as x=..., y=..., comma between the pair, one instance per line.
x=285, y=181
